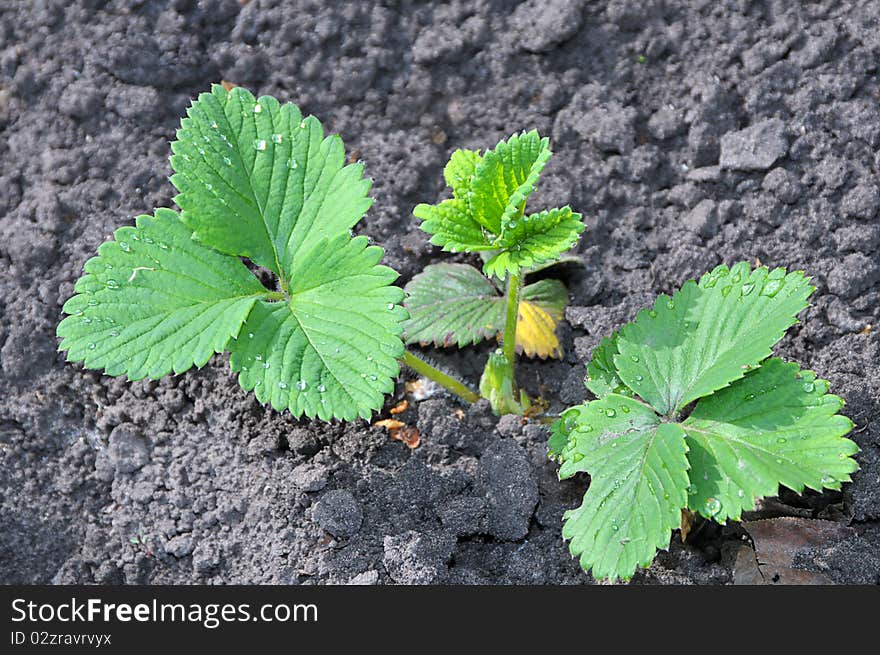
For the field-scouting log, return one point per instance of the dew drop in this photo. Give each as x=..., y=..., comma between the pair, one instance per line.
x=639, y=378
x=610, y=413
x=321, y=388
x=260, y=144
x=258, y=108
x=373, y=378
x=577, y=457
x=827, y=480
x=91, y=346
x=635, y=358
x=725, y=291
x=258, y=357
x=670, y=305
x=302, y=125
x=292, y=164
x=227, y=161
x=112, y=284
x=301, y=385
x=713, y=506
x=624, y=409
x=277, y=138
x=124, y=246
x=266, y=365
x=390, y=305
x=250, y=335
x=781, y=440
x=214, y=125
x=740, y=493
x=809, y=387
x=771, y=288
x=747, y=288
x=751, y=396
x=282, y=385
x=652, y=313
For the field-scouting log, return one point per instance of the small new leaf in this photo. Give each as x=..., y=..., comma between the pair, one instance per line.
x=487, y=211
x=758, y=422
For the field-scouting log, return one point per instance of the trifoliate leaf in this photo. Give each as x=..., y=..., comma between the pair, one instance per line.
x=331, y=350
x=535, y=239
x=455, y=304
x=154, y=301
x=258, y=180
x=775, y=426
x=708, y=335
x=487, y=212
x=639, y=482
x=602, y=378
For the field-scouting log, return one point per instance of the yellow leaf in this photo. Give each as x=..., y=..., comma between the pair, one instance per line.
x=536, y=331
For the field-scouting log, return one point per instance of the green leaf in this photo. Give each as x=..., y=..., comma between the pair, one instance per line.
x=639, y=482
x=154, y=301
x=487, y=212
x=459, y=172
x=777, y=425
x=259, y=181
x=602, y=378
x=533, y=240
x=506, y=177
x=708, y=335
x=332, y=349
x=452, y=227
x=455, y=304
x=452, y=304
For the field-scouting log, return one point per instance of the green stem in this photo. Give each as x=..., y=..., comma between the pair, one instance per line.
x=508, y=341
x=275, y=295
x=422, y=367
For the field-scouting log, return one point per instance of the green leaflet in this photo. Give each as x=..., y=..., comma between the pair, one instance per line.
x=256, y=180
x=487, y=211
x=639, y=484
x=602, y=378
x=535, y=239
x=332, y=349
x=758, y=422
x=775, y=426
x=155, y=302
x=454, y=304
x=708, y=335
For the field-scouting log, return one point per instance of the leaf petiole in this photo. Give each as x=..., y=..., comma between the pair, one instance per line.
x=449, y=383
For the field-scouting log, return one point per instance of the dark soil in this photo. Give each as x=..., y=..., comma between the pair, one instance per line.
x=687, y=133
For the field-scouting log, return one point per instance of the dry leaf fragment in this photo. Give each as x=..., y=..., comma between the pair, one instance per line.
x=409, y=435
x=866, y=329
x=400, y=407
x=226, y=84
x=687, y=523
x=389, y=424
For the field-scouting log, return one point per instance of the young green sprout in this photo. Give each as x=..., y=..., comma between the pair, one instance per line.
x=456, y=304
x=693, y=412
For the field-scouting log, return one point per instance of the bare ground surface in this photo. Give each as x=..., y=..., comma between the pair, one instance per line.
x=189, y=479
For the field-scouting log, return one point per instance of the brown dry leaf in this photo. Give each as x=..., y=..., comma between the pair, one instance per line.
x=866, y=329
x=389, y=424
x=354, y=156
x=459, y=413
x=226, y=84
x=408, y=435
x=687, y=523
x=400, y=407
x=777, y=542
x=758, y=262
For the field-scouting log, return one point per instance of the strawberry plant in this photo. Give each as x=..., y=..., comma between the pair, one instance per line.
x=456, y=304
x=693, y=412
x=260, y=187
